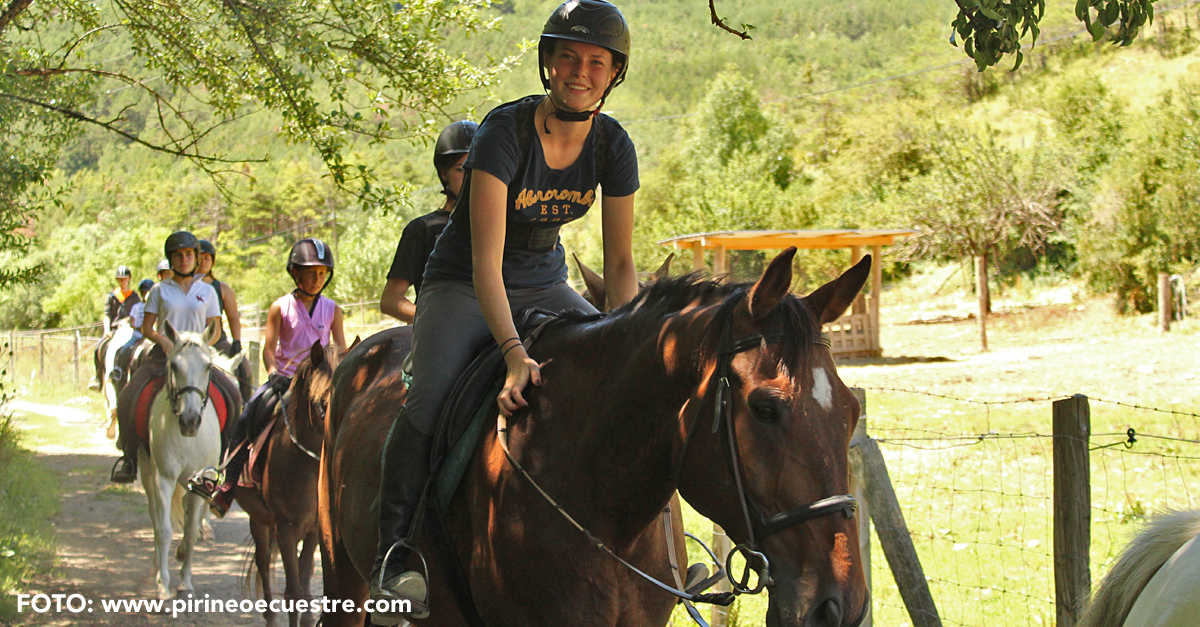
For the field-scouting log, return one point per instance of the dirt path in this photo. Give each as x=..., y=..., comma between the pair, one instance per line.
x=105, y=544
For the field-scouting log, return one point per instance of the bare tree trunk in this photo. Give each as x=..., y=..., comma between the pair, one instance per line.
x=981, y=290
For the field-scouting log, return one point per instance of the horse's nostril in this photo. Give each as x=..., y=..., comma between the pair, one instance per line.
x=827, y=614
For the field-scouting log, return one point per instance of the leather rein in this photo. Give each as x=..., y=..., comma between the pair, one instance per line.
x=757, y=527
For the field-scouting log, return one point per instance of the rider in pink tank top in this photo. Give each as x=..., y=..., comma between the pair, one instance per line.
x=300, y=329
x=294, y=323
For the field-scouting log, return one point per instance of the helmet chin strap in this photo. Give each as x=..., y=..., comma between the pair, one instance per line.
x=570, y=116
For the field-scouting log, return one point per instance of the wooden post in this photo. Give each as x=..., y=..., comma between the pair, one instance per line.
x=895, y=539
x=1164, y=302
x=856, y=488
x=1072, y=508
x=254, y=354
x=876, y=296
x=76, y=358
x=719, y=265
x=42, y=353
x=697, y=256
x=860, y=301
x=719, y=617
x=981, y=287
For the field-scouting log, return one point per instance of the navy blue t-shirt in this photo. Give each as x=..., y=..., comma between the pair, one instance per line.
x=538, y=196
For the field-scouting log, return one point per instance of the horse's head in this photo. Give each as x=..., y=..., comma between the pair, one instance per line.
x=770, y=434
x=188, y=368
x=311, y=388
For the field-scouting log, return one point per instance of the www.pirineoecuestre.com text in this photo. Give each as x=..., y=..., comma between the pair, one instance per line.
x=80, y=604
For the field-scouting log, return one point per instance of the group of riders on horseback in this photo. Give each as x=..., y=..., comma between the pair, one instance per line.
x=489, y=252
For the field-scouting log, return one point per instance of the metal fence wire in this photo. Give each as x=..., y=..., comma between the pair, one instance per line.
x=975, y=481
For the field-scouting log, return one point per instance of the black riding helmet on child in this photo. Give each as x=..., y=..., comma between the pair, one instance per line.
x=206, y=247
x=310, y=251
x=593, y=22
x=453, y=142
x=180, y=240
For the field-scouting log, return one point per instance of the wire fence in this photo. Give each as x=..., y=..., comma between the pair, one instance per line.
x=64, y=357
x=975, y=480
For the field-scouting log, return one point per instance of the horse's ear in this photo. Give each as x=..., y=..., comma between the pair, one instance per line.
x=316, y=354
x=664, y=270
x=212, y=332
x=169, y=332
x=832, y=300
x=356, y=341
x=773, y=286
x=593, y=283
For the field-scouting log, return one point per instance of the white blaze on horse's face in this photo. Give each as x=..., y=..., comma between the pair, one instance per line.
x=822, y=391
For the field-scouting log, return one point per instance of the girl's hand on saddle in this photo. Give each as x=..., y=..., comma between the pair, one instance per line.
x=521, y=370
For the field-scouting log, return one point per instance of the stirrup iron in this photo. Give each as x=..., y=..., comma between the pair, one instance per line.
x=206, y=483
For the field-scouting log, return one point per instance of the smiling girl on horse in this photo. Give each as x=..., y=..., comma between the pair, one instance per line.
x=190, y=306
x=535, y=165
x=294, y=322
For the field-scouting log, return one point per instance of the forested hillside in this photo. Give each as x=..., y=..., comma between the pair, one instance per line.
x=834, y=115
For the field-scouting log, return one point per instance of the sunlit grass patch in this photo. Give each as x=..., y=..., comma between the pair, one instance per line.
x=28, y=499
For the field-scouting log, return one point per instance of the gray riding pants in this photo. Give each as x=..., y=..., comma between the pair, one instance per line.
x=449, y=330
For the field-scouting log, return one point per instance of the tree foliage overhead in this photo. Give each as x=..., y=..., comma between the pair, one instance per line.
x=334, y=71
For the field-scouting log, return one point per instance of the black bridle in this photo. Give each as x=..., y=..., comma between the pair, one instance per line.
x=174, y=394
x=757, y=527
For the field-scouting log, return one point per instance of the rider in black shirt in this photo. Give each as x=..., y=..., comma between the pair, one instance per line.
x=416, y=243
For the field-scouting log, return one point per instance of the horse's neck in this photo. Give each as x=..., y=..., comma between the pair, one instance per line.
x=612, y=448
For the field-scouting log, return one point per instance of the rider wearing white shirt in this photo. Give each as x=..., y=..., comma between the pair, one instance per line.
x=190, y=305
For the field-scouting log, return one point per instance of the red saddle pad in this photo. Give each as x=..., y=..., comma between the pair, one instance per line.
x=146, y=398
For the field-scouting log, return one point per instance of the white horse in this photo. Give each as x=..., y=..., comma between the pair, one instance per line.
x=184, y=436
x=121, y=335
x=1156, y=582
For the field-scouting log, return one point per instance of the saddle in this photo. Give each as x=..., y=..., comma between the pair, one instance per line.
x=462, y=424
x=145, y=399
x=465, y=413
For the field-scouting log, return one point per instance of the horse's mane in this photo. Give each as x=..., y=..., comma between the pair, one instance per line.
x=671, y=295
x=1143, y=557
x=188, y=338
x=320, y=383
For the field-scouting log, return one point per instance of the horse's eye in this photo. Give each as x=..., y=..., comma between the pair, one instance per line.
x=767, y=406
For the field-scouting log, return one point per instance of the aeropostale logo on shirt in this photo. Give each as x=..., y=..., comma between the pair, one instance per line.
x=528, y=198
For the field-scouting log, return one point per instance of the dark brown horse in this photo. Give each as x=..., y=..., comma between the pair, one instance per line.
x=284, y=512
x=628, y=413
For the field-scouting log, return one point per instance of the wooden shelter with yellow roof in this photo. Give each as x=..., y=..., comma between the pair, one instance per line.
x=855, y=334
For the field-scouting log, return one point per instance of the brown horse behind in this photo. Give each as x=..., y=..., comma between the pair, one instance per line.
x=627, y=415
x=284, y=512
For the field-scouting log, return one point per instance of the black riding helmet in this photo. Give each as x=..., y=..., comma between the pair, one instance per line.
x=592, y=22
x=123, y=271
x=207, y=247
x=310, y=251
x=454, y=141
x=179, y=240
x=145, y=285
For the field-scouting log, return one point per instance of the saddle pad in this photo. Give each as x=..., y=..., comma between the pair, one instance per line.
x=141, y=415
